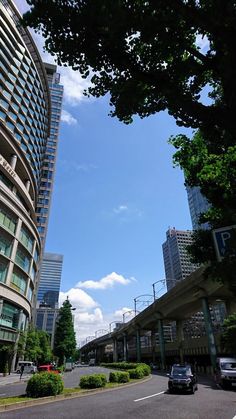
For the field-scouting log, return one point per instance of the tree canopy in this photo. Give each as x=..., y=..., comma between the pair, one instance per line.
x=148, y=56
x=64, y=342
x=37, y=347
x=228, y=339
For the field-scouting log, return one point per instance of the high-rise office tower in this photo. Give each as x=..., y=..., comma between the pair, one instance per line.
x=50, y=279
x=24, y=131
x=176, y=258
x=49, y=161
x=48, y=293
x=198, y=204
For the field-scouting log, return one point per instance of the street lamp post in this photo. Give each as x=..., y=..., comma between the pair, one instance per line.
x=101, y=332
x=145, y=301
x=163, y=282
x=130, y=312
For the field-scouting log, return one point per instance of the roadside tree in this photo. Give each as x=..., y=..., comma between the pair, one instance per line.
x=65, y=342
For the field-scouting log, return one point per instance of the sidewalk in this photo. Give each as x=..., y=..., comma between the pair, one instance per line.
x=13, y=378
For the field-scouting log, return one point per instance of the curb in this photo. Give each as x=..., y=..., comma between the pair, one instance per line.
x=59, y=397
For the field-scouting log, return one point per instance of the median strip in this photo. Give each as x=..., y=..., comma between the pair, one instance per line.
x=148, y=397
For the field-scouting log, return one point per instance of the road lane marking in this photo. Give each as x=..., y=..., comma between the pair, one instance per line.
x=152, y=395
x=234, y=417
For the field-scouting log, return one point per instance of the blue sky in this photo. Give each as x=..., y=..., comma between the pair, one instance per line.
x=115, y=195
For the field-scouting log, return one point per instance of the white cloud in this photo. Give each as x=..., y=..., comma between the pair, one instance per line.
x=68, y=118
x=126, y=212
x=72, y=166
x=120, y=209
x=74, y=85
x=121, y=311
x=78, y=298
x=107, y=282
x=89, y=319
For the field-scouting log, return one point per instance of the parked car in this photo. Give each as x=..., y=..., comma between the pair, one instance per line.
x=92, y=362
x=48, y=368
x=225, y=373
x=183, y=378
x=29, y=367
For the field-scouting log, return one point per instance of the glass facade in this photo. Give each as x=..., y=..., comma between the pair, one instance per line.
x=50, y=279
x=24, y=109
x=198, y=204
x=24, y=131
x=49, y=163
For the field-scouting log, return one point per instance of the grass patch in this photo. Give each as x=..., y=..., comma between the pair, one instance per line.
x=10, y=400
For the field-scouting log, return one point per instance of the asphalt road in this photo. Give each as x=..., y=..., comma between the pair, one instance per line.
x=71, y=379
x=147, y=400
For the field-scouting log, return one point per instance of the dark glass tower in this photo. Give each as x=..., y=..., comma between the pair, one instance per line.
x=50, y=280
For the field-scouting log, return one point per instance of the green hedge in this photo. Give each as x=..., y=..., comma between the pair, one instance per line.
x=135, y=370
x=119, y=365
x=44, y=384
x=119, y=377
x=93, y=381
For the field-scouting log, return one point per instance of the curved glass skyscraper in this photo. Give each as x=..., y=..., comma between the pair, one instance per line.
x=25, y=112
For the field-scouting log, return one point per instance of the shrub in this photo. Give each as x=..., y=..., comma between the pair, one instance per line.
x=93, y=381
x=44, y=384
x=132, y=373
x=113, y=377
x=146, y=369
x=119, y=377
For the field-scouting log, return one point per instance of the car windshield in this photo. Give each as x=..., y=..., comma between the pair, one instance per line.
x=181, y=371
x=228, y=365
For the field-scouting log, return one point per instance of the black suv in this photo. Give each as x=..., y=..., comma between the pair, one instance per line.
x=182, y=377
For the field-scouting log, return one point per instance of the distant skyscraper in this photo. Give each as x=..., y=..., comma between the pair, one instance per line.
x=48, y=294
x=198, y=204
x=176, y=258
x=50, y=280
x=49, y=161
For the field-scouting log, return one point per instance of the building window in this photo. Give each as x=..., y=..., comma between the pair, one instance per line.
x=9, y=316
x=30, y=293
x=26, y=239
x=5, y=246
x=19, y=283
x=7, y=221
x=3, y=272
x=22, y=260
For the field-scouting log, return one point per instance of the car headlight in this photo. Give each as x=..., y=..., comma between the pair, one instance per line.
x=188, y=380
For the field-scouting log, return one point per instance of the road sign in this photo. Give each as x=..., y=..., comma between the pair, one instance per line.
x=222, y=237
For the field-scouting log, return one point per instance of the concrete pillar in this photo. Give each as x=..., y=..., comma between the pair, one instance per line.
x=180, y=339
x=153, y=345
x=125, y=347
x=209, y=330
x=161, y=343
x=138, y=346
x=115, y=351
x=13, y=161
